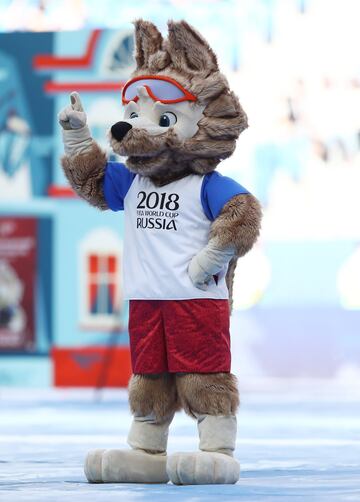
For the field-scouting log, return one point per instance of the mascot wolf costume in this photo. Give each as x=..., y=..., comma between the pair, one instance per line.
x=185, y=228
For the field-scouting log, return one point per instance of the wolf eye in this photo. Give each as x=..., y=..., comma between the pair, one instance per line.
x=133, y=115
x=167, y=119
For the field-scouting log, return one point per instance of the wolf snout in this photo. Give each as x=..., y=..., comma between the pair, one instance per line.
x=120, y=129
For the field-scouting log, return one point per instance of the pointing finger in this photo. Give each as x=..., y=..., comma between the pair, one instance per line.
x=76, y=102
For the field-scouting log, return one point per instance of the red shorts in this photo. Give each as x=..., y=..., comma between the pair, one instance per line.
x=179, y=336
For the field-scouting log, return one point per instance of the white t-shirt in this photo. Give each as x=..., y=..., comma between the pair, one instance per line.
x=164, y=228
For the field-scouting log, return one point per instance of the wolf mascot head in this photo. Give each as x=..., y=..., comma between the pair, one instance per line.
x=180, y=115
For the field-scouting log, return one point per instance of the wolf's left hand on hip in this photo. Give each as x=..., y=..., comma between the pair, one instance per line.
x=197, y=274
x=208, y=262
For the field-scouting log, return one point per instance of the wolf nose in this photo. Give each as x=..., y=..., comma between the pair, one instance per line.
x=120, y=129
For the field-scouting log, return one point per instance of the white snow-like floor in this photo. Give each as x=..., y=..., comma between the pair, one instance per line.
x=298, y=443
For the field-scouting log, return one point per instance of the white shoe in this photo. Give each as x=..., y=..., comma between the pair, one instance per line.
x=202, y=468
x=125, y=466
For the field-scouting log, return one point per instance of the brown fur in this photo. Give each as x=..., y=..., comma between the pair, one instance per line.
x=230, y=275
x=185, y=56
x=237, y=225
x=220, y=128
x=155, y=394
x=226, y=105
x=148, y=42
x=208, y=393
x=137, y=143
x=85, y=174
x=189, y=50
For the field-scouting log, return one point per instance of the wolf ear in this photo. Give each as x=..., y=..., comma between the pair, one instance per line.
x=189, y=50
x=148, y=41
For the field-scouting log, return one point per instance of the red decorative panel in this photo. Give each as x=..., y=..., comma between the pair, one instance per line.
x=93, y=264
x=112, y=262
x=91, y=367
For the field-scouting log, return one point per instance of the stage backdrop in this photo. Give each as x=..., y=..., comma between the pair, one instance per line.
x=297, y=294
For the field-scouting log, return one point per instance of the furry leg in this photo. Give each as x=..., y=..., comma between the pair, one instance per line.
x=153, y=400
x=213, y=400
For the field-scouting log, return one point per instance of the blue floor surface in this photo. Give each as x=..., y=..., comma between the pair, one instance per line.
x=295, y=444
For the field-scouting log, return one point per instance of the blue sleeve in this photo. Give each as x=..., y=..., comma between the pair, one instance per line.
x=216, y=191
x=117, y=182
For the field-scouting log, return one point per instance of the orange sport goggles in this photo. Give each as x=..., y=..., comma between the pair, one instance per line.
x=159, y=88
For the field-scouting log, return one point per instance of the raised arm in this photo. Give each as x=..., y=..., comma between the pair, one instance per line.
x=84, y=162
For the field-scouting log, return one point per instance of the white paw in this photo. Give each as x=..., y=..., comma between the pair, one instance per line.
x=92, y=467
x=73, y=115
x=198, y=276
x=125, y=466
x=202, y=468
